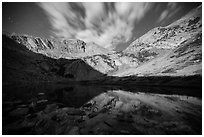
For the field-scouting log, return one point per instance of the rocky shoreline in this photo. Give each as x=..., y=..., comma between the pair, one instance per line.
x=113, y=112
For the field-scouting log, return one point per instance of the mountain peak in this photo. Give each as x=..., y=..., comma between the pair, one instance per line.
x=59, y=48
x=172, y=35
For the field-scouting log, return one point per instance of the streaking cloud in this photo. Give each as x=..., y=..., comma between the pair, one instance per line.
x=171, y=9
x=106, y=24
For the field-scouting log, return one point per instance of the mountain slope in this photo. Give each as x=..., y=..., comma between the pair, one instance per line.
x=170, y=36
x=174, y=50
x=184, y=60
x=99, y=58
x=20, y=64
x=59, y=48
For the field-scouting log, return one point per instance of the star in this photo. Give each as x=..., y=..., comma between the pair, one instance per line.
x=9, y=18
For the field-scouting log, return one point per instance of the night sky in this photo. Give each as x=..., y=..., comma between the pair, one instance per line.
x=110, y=25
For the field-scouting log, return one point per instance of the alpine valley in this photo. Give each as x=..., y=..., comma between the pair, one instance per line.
x=171, y=51
x=67, y=86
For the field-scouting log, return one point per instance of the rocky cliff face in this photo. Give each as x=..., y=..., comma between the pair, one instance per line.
x=59, y=48
x=184, y=60
x=101, y=59
x=111, y=63
x=174, y=50
x=171, y=36
x=151, y=54
x=20, y=64
x=54, y=48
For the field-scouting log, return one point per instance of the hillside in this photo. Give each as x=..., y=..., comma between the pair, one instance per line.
x=21, y=64
x=172, y=50
x=59, y=48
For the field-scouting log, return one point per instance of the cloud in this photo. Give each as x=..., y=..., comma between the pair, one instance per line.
x=163, y=15
x=106, y=24
x=172, y=9
x=172, y=5
x=62, y=18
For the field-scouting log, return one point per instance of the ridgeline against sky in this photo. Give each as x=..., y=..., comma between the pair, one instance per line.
x=110, y=25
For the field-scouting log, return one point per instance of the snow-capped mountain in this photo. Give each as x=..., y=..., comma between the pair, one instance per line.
x=21, y=64
x=59, y=48
x=184, y=60
x=174, y=50
x=151, y=54
x=171, y=36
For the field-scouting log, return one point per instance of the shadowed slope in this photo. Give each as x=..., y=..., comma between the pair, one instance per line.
x=21, y=64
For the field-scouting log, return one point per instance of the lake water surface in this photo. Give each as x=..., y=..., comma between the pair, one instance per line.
x=103, y=109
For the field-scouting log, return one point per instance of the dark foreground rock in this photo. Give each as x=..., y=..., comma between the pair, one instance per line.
x=114, y=112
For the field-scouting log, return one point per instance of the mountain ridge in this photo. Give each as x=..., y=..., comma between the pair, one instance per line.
x=149, y=55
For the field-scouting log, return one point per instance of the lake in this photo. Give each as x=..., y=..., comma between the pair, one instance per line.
x=100, y=109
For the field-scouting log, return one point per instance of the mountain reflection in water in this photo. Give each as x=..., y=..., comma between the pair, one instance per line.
x=88, y=109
